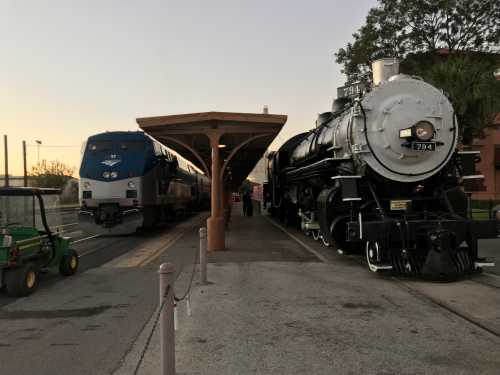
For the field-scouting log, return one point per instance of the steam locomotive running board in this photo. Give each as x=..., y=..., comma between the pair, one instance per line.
x=484, y=264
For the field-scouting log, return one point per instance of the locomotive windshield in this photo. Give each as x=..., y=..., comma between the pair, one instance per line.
x=117, y=155
x=108, y=146
x=132, y=146
x=100, y=146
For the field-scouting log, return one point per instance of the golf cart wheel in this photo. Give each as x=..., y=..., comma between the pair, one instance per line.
x=69, y=263
x=21, y=281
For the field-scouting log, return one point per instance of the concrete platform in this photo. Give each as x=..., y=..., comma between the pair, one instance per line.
x=273, y=308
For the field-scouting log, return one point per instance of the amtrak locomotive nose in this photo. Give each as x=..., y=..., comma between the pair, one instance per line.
x=128, y=181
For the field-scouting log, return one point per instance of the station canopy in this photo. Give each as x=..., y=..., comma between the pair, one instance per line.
x=244, y=137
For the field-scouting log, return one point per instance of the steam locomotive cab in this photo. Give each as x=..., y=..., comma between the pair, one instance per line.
x=380, y=174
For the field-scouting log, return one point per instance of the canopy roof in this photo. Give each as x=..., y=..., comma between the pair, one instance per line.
x=244, y=138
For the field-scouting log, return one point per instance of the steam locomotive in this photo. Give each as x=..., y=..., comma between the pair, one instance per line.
x=381, y=174
x=128, y=181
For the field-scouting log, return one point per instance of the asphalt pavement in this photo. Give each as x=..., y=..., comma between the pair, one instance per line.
x=282, y=303
x=86, y=323
x=95, y=322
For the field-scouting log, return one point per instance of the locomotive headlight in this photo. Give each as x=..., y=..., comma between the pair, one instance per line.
x=424, y=130
x=405, y=133
x=86, y=185
x=131, y=184
x=114, y=174
x=105, y=174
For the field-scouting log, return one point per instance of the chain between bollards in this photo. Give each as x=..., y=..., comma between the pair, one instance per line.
x=203, y=256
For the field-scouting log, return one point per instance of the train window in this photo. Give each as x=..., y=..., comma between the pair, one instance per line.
x=132, y=145
x=99, y=146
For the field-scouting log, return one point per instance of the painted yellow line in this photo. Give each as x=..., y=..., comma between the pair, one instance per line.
x=142, y=255
x=152, y=249
x=304, y=245
x=159, y=251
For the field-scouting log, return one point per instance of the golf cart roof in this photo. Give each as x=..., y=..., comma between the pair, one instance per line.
x=27, y=191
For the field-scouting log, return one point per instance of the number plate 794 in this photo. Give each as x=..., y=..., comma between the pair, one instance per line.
x=424, y=146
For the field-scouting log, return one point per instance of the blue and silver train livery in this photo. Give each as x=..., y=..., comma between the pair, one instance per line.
x=128, y=180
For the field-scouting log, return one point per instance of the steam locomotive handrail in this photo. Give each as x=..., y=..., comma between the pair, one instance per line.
x=312, y=166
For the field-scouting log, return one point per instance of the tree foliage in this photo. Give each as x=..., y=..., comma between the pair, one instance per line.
x=453, y=44
x=469, y=83
x=53, y=174
x=397, y=28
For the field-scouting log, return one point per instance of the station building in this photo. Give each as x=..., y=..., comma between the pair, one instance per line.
x=489, y=145
x=489, y=166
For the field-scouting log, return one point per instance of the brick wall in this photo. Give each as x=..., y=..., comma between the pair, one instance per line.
x=488, y=167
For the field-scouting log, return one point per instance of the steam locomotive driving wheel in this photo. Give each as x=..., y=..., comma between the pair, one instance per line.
x=374, y=257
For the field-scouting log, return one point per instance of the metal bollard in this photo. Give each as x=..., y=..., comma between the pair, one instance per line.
x=167, y=333
x=203, y=256
x=188, y=304
x=176, y=318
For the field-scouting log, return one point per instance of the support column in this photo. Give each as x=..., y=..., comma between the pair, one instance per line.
x=215, y=224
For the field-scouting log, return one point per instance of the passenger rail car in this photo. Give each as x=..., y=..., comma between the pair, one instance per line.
x=382, y=174
x=128, y=180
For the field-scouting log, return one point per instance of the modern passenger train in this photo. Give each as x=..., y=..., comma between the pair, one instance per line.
x=129, y=180
x=382, y=173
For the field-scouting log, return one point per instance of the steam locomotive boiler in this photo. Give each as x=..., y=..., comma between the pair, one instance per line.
x=381, y=175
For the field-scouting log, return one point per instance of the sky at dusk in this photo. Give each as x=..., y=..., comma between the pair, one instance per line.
x=71, y=69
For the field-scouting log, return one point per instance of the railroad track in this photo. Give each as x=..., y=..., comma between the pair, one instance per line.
x=405, y=285
x=460, y=314
x=64, y=229
x=330, y=255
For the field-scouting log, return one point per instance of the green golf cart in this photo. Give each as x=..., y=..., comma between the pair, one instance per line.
x=27, y=245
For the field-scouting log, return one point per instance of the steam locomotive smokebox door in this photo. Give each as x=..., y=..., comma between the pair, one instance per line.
x=471, y=179
x=349, y=187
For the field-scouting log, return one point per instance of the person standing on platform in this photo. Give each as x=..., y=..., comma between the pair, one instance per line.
x=247, y=204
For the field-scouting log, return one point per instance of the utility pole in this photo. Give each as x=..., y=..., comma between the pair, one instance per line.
x=25, y=165
x=6, y=154
x=38, y=143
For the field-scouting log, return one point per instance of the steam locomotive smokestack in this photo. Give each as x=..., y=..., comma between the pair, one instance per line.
x=383, y=69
